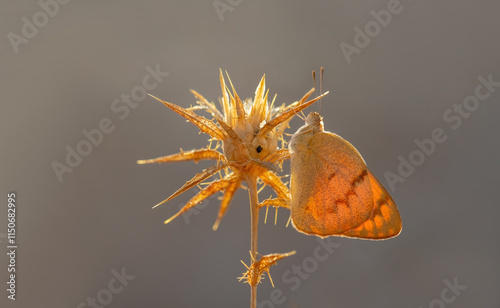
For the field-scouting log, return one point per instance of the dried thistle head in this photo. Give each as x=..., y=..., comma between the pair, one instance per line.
x=251, y=133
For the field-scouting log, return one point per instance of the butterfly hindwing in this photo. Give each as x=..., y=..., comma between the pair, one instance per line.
x=385, y=221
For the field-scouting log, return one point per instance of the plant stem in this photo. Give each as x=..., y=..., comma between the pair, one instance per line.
x=254, y=220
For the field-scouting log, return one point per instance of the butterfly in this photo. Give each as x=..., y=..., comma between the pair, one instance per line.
x=333, y=192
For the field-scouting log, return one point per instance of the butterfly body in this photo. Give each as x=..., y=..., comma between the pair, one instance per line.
x=333, y=192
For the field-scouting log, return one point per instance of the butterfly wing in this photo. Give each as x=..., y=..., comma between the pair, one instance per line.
x=384, y=221
x=333, y=192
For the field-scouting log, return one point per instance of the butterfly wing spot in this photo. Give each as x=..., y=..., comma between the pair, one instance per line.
x=308, y=209
x=369, y=225
x=331, y=176
x=342, y=201
x=360, y=178
x=386, y=212
x=368, y=228
x=383, y=200
x=339, y=202
x=377, y=212
x=379, y=222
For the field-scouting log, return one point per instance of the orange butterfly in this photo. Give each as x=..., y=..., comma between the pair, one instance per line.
x=333, y=192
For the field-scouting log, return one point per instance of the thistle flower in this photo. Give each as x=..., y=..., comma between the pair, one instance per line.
x=250, y=133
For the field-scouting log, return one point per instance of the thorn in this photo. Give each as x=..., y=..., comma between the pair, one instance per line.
x=261, y=188
x=244, y=264
x=159, y=204
x=154, y=97
x=269, y=274
x=216, y=225
x=274, y=98
x=253, y=259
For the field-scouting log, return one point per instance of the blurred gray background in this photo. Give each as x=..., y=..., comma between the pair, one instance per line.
x=64, y=73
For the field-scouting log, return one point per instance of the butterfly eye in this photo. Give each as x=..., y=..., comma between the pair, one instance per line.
x=259, y=149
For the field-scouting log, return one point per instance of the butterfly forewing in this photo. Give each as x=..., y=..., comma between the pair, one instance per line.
x=329, y=177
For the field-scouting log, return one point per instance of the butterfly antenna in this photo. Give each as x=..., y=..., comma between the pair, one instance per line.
x=314, y=81
x=302, y=116
x=321, y=72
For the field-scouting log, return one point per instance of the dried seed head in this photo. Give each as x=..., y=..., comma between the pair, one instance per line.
x=251, y=132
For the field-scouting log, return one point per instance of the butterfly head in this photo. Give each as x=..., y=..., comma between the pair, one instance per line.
x=300, y=140
x=314, y=121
